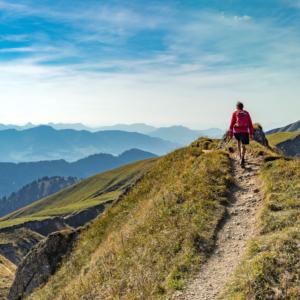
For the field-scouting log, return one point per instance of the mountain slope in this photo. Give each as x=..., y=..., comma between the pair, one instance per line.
x=14, y=245
x=279, y=137
x=46, y=143
x=290, y=147
x=156, y=235
x=14, y=176
x=164, y=230
x=287, y=142
x=289, y=128
x=35, y=190
x=102, y=188
x=70, y=208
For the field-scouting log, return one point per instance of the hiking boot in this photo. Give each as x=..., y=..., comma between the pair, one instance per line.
x=242, y=162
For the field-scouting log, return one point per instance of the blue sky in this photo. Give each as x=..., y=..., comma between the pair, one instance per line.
x=159, y=62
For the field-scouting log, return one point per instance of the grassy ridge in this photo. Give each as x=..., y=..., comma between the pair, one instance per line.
x=148, y=244
x=271, y=268
x=279, y=137
x=90, y=192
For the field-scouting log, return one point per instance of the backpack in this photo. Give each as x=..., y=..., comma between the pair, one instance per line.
x=242, y=119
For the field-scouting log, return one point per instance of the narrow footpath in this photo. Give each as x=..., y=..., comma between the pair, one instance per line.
x=238, y=228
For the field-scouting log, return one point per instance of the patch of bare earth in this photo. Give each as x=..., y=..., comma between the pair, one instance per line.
x=239, y=226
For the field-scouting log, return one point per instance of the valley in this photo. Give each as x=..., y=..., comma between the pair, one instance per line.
x=69, y=209
x=180, y=215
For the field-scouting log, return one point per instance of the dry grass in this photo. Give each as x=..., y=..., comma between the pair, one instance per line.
x=7, y=270
x=148, y=244
x=271, y=268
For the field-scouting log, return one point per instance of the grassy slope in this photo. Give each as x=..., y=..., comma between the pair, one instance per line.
x=271, y=268
x=146, y=245
x=277, y=138
x=92, y=191
x=7, y=270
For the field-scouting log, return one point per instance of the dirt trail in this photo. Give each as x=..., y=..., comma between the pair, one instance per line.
x=239, y=226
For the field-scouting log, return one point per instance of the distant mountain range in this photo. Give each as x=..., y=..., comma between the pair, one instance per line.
x=179, y=135
x=33, y=191
x=46, y=143
x=136, y=127
x=13, y=176
x=184, y=135
x=288, y=128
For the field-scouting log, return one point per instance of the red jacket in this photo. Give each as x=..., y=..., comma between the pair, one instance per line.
x=241, y=123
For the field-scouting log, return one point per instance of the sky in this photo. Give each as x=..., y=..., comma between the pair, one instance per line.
x=159, y=62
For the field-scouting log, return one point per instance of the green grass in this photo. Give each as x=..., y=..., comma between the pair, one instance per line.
x=95, y=190
x=148, y=245
x=277, y=138
x=271, y=267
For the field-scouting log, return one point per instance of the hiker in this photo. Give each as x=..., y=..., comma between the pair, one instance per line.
x=242, y=128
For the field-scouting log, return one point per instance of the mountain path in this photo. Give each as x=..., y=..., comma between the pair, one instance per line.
x=238, y=227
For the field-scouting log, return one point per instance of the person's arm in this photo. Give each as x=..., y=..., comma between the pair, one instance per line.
x=232, y=123
x=251, y=129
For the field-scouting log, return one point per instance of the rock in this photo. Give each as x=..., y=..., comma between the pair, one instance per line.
x=259, y=136
x=41, y=262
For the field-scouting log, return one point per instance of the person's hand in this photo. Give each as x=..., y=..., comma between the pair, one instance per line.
x=251, y=137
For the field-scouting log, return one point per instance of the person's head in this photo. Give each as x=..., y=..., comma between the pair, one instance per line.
x=240, y=106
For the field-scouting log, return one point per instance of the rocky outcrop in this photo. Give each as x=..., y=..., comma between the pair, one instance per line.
x=16, y=243
x=43, y=227
x=82, y=217
x=290, y=147
x=47, y=226
x=41, y=262
x=259, y=136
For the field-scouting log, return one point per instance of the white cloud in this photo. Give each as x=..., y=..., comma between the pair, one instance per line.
x=211, y=60
x=242, y=18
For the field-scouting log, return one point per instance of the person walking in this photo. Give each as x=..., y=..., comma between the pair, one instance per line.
x=241, y=128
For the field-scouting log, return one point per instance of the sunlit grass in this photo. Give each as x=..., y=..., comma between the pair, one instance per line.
x=271, y=268
x=95, y=190
x=7, y=270
x=149, y=243
x=277, y=138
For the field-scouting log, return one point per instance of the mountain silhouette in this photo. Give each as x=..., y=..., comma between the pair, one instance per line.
x=13, y=176
x=45, y=143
